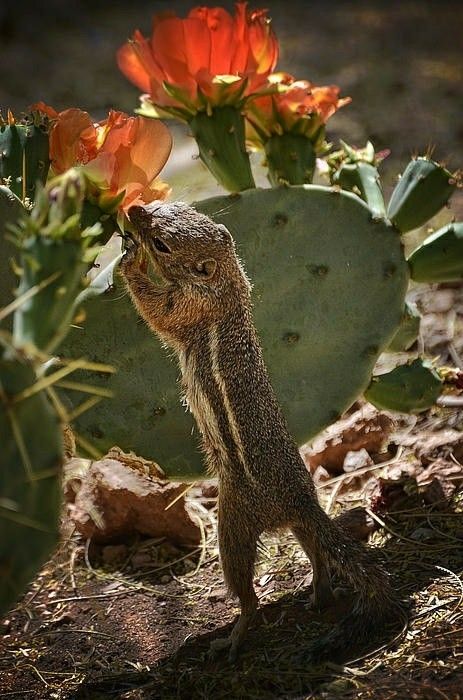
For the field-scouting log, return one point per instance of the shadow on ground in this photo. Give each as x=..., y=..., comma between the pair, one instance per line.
x=426, y=546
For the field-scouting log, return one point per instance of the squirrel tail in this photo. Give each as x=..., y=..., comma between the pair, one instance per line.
x=377, y=606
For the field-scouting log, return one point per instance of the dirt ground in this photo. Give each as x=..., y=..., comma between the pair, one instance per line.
x=135, y=621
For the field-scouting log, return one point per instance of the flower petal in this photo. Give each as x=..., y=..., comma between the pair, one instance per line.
x=132, y=154
x=189, y=53
x=73, y=140
x=136, y=62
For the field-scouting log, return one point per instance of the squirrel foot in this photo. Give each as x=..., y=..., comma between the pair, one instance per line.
x=328, y=598
x=218, y=645
x=236, y=638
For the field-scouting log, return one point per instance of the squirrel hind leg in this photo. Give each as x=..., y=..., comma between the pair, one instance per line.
x=238, y=555
x=324, y=596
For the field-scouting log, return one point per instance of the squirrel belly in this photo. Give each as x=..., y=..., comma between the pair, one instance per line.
x=203, y=311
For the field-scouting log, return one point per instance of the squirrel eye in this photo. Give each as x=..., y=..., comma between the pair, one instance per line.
x=160, y=245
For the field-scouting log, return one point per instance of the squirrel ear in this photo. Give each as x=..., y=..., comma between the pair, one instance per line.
x=205, y=268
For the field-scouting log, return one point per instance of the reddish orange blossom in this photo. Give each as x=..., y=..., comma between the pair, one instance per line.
x=295, y=106
x=208, y=59
x=121, y=155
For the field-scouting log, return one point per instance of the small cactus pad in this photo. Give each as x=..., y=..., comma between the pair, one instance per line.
x=440, y=257
x=362, y=179
x=409, y=388
x=424, y=188
x=221, y=143
x=30, y=458
x=408, y=330
x=291, y=159
x=329, y=286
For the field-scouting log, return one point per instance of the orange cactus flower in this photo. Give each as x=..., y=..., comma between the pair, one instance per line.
x=120, y=155
x=208, y=59
x=294, y=106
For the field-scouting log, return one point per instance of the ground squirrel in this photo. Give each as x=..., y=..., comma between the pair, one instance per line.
x=202, y=309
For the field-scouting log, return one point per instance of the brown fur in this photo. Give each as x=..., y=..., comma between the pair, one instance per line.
x=203, y=310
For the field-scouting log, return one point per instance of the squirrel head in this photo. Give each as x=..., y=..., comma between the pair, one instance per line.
x=190, y=250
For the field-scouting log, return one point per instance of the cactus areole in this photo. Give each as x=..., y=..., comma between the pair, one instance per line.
x=329, y=286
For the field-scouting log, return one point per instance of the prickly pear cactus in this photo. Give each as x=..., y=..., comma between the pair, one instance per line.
x=30, y=458
x=329, y=287
x=408, y=330
x=409, y=388
x=24, y=156
x=423, y=189
x=55, y=256
x=440, y=256
x=11, y=209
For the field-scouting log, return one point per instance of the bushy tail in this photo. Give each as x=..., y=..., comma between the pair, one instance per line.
x=377, y=614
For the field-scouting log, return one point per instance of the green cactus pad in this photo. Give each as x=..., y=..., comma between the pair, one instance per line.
x=24, y=157
x=363, y=179
x=440, y=257
x=410, y=388
x=329, y=286
x=424, y=188
x=30, y=494
x=408, y=330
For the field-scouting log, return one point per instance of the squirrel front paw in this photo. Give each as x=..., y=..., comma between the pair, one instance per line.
x=132, y=257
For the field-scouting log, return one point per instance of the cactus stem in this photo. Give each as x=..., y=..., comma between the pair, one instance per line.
x=7, y=310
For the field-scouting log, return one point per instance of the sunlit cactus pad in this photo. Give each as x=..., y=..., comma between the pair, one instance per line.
x=329, y=288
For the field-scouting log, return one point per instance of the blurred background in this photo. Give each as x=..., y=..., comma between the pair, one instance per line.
x=400, y=61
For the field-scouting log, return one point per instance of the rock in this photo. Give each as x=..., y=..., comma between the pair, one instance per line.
x=209, y=491
x=437, y=300
x=320, y=476
x=140, y=560
x=439, y=481
x=114, y=554
x=366, y=429
x=440, y=445
x=122, y=494
x=353, y=461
